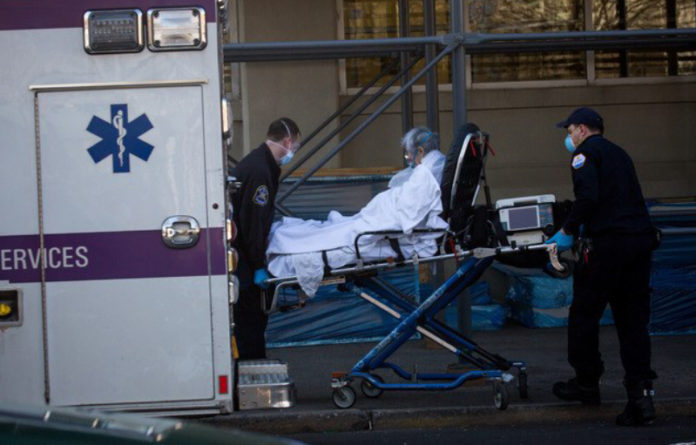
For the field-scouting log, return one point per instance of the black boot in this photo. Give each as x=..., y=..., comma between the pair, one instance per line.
x=588, y=394
x=639, y=409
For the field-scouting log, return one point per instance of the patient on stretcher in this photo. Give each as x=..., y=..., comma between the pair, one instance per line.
x=303, y=248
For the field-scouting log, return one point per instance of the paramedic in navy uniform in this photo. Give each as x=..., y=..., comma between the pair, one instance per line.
x=616, y=236
x=252, y=208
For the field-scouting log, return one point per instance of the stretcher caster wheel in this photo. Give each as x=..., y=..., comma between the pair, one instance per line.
x=370, y=390
x=343, y=397
x=501, y=397
x=522, y=385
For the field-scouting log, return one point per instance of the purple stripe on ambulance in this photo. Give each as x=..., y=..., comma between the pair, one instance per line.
x=46, y=14
x=108, y=255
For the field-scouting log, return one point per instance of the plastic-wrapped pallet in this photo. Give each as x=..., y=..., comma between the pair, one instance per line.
x=485, y=315
x=550, y=318
x=533, y=288
x=488, y=317
x=480, y=294
x=539, y=301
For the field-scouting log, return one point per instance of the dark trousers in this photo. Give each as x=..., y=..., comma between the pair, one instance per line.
x=249, y=318
x=616, y=271
x=250, y=324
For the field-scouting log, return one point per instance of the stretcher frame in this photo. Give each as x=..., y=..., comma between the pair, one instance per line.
x=363, y=280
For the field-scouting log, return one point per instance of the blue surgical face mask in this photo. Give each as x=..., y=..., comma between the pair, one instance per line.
x=289, y=152
x=289, y=155
x=287, y=158
x=569, y=144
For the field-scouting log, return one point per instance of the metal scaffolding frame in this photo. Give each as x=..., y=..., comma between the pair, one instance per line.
x=353, y=115
x=457, y=43
x=473, y=43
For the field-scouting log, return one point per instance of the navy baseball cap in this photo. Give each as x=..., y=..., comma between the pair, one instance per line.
x=583, y=115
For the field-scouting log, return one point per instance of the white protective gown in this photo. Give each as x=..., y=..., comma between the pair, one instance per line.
x=296, y=245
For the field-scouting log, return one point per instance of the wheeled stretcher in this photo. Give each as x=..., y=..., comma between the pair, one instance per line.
x=475, y=238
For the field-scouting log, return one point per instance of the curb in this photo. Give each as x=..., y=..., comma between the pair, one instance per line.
x=279, y=422
x=315, y=421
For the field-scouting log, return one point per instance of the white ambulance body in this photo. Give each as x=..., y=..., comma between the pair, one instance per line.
x=113, y=278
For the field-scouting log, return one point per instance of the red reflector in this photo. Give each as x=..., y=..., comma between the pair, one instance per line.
x=222, y=384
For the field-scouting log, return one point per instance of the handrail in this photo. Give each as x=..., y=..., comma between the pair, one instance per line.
x=351, y=118
x=337, y=113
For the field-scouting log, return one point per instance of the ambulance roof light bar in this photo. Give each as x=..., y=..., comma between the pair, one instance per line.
x=175, y=29
x=115, y=31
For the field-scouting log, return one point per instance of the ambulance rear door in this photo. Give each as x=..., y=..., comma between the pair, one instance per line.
x=129, y=252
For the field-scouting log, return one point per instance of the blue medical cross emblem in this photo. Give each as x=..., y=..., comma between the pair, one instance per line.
x=120, y=138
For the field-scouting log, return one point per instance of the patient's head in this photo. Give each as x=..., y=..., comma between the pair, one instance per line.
x=417, y=143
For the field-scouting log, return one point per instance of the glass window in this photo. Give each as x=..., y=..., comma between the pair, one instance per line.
x=514, y=16
x=368, y=19
x=643, y=14
x=377, y=19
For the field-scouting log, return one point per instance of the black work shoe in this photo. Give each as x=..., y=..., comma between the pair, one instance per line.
x=639, y=411
x=572, y=390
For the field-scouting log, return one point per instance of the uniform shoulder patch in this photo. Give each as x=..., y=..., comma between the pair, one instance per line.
x=261, y=195
x=578, y=161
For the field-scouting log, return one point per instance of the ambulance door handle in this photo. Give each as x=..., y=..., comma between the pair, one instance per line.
x=180, y=231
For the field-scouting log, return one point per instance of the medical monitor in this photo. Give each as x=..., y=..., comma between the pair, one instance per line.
x=526, y=219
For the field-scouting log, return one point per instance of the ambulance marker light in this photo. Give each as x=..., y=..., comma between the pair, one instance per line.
x=176, y=29
x=5, y=310
x=223, y=386
x=232, y=260
x=233, y=288
x=230, y=230
x=116, y=31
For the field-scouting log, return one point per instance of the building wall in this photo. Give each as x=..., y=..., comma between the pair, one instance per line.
x=306, y=92
x=653, y=122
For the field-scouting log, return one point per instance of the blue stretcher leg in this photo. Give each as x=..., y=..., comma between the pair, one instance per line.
x=471, y=352
x=467, y=274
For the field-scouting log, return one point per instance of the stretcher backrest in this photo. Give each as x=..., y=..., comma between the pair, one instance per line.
x=462, y=175
x=479, y=225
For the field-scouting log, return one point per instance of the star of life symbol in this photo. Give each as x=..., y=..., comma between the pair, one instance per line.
x=120, y=138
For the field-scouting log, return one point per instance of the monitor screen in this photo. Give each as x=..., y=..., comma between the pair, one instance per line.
x=523, y=218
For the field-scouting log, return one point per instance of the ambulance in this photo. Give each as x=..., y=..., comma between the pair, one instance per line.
x=116, y=275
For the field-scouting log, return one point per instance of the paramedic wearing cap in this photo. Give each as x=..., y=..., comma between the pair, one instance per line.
x=610, y=218
x=252, y=208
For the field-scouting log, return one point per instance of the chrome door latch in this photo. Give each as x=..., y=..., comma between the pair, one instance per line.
x=180, y=231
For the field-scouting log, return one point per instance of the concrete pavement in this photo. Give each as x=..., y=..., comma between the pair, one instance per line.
x=674, y=359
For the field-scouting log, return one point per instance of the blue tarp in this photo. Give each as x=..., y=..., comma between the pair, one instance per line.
x=480, y=294
x=538, y=301
x=533, y=288
x=485, y=315
x=335, y=316
x=330, y=317
x=673, y=309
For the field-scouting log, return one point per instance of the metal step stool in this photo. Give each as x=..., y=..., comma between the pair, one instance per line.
x=264, y=384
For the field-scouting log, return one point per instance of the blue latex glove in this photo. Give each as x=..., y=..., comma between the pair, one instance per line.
x=260, y=277
x=563, y=241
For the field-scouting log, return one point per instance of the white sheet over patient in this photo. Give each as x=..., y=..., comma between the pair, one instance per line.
x=434, y=161
x=295, y=245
